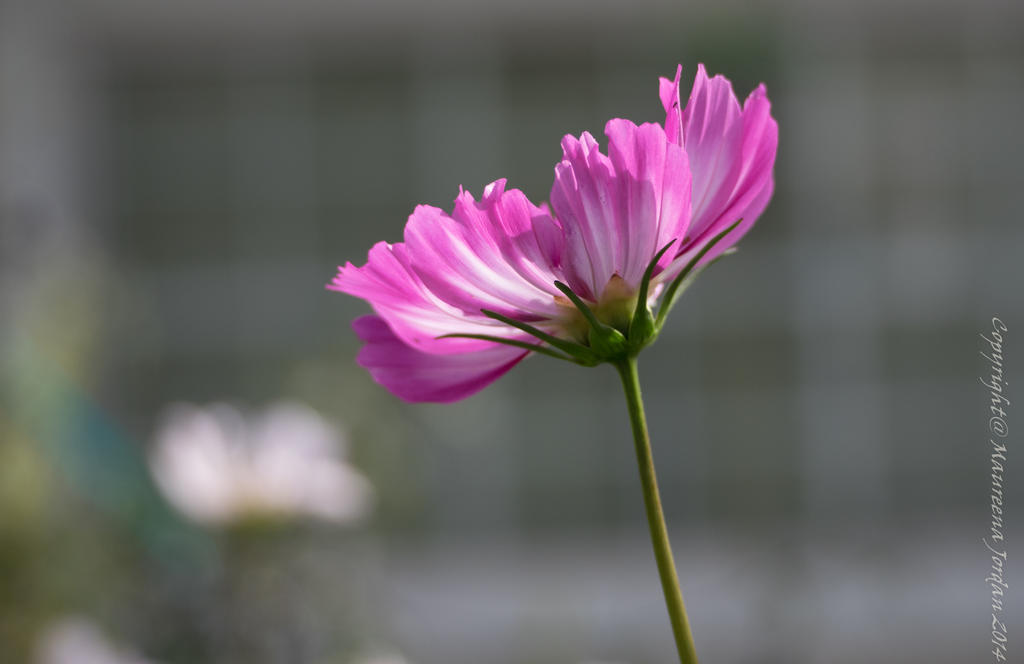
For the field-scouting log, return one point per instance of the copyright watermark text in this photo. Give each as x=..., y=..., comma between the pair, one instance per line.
x=993, y=378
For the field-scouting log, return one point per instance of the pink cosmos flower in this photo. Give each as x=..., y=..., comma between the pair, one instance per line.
x=467, y=295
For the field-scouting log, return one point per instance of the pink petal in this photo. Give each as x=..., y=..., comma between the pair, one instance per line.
x=732, y=154
x=654, y=178
x=415, y=376
x=669, y=92
x=582, y=201
x=413, y=312
x=487, y=254
x=713, y=133
x=618, y=210
x=500, y=253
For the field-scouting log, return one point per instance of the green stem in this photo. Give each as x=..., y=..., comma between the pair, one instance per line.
x=655, y=518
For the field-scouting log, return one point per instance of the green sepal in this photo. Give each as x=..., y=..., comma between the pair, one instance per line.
x=536, y=348
x=578, y=351
x=608, y=343
x=605, y=341
x=677, y=287
x=642, y=329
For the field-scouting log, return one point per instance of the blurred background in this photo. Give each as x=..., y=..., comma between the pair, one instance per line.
x=179, y=180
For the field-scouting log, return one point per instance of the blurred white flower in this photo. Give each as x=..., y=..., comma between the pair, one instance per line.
x=381, y=658
x=79, y=641
x=217, y=466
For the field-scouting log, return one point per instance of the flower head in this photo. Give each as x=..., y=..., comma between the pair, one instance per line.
x=469, y=294
x=218, y=466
